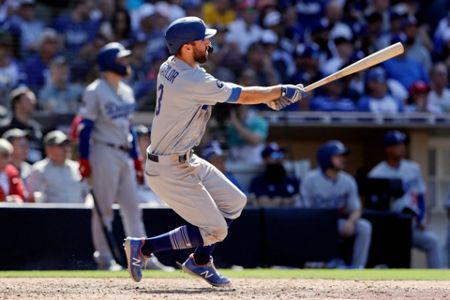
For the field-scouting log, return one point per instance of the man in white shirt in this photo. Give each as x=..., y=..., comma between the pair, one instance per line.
x=56, y=178
x=439, y=96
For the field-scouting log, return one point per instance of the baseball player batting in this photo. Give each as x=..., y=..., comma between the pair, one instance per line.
x=190, y=185
x=106, y=145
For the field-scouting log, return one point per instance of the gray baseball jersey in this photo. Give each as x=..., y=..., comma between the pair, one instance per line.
x=112, y=177
x=112, y=111
x=410, y=174
x=319, y=191
x=183, y=108
x=194, y=189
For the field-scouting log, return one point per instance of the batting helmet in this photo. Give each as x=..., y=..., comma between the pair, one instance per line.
x=185, y=30
x=394, y=137
x=108, y=55
x=328, y=150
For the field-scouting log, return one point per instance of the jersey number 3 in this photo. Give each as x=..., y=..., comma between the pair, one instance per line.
x=158, y=102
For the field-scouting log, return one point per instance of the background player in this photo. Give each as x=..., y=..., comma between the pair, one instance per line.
x=106, y=142
x=395, y=166
x=194, y=188
x=330, y=187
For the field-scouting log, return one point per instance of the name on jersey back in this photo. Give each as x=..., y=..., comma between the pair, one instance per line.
x=169, y=73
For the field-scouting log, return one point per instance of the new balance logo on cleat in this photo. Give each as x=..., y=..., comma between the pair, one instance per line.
x=206, y=274
x=136, y=262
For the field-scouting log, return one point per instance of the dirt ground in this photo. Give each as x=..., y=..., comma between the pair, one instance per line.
x=187, y=288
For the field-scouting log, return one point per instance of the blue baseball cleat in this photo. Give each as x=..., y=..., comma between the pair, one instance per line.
x=207, y=272
x=135, y=258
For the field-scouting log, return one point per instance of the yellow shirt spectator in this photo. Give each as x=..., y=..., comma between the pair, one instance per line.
x=218, y=13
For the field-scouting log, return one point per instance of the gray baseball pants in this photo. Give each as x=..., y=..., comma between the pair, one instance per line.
x=198, y=192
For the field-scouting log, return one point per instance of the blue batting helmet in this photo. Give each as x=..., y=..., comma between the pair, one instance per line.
x=328, y=150
x=185, y=30
x=394, y=137
x=108, y=55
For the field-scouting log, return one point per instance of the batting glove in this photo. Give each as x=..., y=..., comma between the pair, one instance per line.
x=139, y=170
x=292, y=93
x=278, y=104
x=85, y=168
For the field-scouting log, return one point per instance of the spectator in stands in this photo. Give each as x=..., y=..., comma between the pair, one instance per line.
x=414, y=39
x=274, y=187
x=9, y=69
x=307, y=61
x=219, y=12
x=213, y=153
x=333, y=18
x=139, y=80
x=118, y=28
x=83, y=70
x=329, y=186
x=439, y=95
x=278, y=48
x=332, y=99
x=442, y=33
x=418, y=97
x=11, y=186
x=19, y=140
x=260, y=62
x=36, y=66
x=226, y=63
x=378, y=99
x=56, y=178
x=246, y=134
x=245, y=30
x=396, y=15
x=23, y=105
x=59, y=95
x=77, y=27
x=31, y=27
x=152, y=23
x=403, y=68
x=344, y=54
x=395, y=166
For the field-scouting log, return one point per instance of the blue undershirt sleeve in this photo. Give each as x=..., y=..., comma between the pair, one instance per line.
x=85, y=129
x=134, y=151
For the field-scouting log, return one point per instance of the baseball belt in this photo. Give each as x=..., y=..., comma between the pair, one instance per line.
x=170, y=158
x=123, y=148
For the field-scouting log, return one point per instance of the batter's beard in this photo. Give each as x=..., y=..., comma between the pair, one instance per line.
x=201, y=57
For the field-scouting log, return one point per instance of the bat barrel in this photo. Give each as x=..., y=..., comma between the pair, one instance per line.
x=364, y=63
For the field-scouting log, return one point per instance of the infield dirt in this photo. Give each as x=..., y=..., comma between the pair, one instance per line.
x=248, y=288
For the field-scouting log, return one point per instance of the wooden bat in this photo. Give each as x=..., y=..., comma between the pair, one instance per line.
x=363, y=63
x=109, y=235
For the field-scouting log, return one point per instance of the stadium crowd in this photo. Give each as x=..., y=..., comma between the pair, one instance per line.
x=48, y=56
x=52, y=49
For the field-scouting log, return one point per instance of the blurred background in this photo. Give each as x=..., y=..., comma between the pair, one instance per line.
x=48, y=56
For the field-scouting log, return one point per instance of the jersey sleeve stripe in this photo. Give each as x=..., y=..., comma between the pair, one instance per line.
x=235, y=94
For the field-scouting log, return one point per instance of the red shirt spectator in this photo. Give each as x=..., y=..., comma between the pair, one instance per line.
x=11, y=185
x=16, y=191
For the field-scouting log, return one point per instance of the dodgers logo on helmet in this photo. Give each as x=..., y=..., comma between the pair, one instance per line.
x=185, y=30
x=394, y=137
x=108, y=55
x=328, y=150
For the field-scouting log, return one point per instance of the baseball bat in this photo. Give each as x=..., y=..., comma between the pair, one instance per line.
x=109, y=236
x=363, y=63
